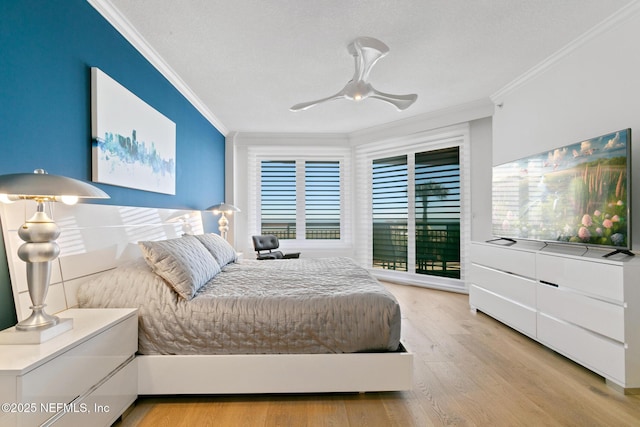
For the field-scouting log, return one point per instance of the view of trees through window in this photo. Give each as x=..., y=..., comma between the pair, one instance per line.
x=436, y=218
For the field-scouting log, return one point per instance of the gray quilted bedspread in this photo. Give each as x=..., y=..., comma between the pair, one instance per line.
x=327, y=305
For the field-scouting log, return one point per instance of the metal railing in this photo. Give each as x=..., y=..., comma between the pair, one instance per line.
x=288, y=231
x=437, y=247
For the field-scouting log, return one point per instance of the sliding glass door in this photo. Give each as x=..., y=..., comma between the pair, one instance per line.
x=390, y=213
x=416, y=208
x=437, y=212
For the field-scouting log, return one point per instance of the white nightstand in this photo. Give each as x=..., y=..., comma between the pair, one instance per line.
x=86, y=376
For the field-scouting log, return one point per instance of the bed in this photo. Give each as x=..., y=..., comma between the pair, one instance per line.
x=209, y=325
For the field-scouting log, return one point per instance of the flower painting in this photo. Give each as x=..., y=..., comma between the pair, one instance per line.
x=133, y=144
x=574, y=194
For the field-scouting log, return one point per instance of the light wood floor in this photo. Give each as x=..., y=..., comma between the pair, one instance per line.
x=469, y=370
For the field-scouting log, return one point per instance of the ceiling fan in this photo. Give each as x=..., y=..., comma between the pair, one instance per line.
x=366, y=51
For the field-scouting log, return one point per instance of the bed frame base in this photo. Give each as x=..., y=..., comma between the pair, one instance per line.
x=279, y=373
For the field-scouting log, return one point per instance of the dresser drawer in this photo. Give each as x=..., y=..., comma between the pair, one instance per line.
x=522, y=263
x=509, y=286
x=598, y=316
x=595, y=352
x=595, y=278
x=513, y=314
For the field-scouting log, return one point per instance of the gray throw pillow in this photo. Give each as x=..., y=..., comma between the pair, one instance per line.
x=183, y=262
x=221, y=250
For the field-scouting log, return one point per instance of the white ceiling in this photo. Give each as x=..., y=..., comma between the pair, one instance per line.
x=248, y=61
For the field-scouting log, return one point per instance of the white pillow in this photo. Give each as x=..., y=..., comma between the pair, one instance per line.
x=221, y=250
x=184, y=263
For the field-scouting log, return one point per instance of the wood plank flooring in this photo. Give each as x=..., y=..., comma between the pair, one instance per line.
x=469, y=370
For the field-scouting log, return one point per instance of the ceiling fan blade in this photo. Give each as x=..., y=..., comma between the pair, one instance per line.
x=367, y=51
x=401, y=102
x=306, y=105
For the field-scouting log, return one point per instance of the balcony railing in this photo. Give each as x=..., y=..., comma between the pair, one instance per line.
x=437, y=247
x=325, y=231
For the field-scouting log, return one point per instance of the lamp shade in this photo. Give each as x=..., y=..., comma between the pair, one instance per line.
x=224, y=207
x=41, y=185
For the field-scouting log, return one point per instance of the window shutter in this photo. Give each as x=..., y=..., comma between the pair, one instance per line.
x=437, y=212
x=390, y=212
x=322, y=199
x=278, y=198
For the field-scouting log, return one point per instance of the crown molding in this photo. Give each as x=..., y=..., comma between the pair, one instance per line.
x=291, y=139
x=617, y=18
x=410, y=126
x=124, y=27
x=435, y=119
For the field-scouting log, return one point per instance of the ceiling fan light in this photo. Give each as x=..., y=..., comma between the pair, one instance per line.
x=366, y=51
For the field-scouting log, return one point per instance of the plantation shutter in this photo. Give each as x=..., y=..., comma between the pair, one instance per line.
x=322, y=199
x=390, y=213
x=278, y=198
x=437, y=212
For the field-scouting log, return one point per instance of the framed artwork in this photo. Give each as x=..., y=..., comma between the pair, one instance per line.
x=133, y=144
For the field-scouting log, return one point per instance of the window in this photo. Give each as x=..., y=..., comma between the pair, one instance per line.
x=389, y=209
x=278, y=199
x=322, y=200
x=301, y=199
x=437, y=215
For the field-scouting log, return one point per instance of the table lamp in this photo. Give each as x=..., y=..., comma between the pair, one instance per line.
x=223, y=222
x=40, y=232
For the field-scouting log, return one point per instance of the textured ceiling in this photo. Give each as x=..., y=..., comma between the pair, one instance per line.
x=248, y=61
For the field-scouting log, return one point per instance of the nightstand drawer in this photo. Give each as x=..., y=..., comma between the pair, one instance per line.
x=75, y=371
x=105, y=404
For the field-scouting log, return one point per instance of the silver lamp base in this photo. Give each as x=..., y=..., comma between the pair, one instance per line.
x=38, y=250
x=37, y=320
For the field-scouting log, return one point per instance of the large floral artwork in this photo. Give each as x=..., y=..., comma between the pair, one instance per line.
x=133, y=144
x=574, y=194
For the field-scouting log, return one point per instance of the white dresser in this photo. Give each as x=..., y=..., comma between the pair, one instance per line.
x=578, y=303
x=86, y=376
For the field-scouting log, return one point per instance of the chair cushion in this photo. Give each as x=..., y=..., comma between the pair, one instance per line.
x=265, y=243
x=271, y=255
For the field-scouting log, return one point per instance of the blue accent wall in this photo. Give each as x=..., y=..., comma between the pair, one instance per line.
x=47, y=48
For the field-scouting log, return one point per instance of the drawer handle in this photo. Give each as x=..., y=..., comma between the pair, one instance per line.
x=548, y=283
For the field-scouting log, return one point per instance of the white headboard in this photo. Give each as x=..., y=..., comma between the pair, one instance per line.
x=93, y=239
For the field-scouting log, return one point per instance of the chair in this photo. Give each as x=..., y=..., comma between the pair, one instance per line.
x=261, y=244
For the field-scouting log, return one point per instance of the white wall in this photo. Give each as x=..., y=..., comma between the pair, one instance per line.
x=481, y=152
x=590, y=88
